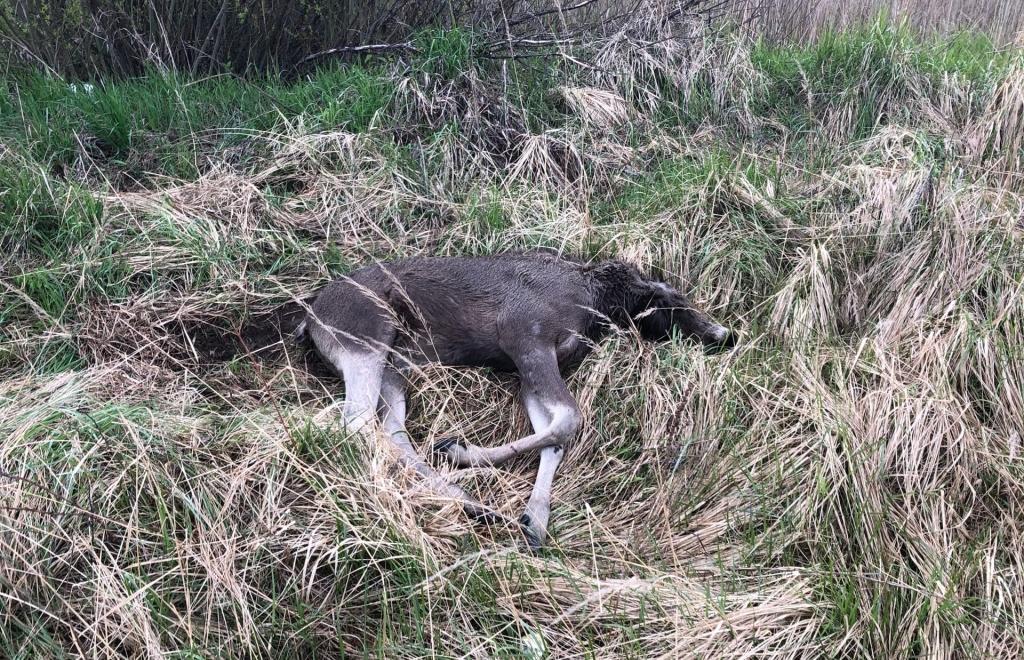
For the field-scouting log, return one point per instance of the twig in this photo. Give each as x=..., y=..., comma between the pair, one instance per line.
x=368, y=49
x=553, y=10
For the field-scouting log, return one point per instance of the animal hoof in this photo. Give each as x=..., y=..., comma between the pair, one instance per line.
x=442, y=448
x=484, y=516
x=534, y=541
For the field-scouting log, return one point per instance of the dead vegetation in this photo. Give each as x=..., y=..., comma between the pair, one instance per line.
x=810, y=19
x=847, y=482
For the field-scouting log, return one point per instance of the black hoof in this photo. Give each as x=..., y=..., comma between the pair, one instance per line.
x=533, y=541
x=484, y=516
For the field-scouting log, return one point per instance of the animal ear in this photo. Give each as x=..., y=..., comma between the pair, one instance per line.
x=657, y=294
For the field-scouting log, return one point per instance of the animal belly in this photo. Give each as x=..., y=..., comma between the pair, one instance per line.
x=460, y=352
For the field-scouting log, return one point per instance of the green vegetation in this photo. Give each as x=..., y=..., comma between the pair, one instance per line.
x=846, y=483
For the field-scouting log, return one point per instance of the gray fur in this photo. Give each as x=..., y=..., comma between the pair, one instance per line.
x=532, y=313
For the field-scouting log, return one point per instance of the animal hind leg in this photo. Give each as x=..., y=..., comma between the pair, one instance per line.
x=392, y=408
x=363, y=372
x=356, y=340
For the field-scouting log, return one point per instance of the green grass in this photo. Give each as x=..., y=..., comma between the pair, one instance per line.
x=173, y=115
x=868, y=65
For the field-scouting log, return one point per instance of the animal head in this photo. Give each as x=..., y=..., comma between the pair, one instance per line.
x=662, y=309
x=656, y=308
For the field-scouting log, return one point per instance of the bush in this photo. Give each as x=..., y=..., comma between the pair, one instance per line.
x=84, y=38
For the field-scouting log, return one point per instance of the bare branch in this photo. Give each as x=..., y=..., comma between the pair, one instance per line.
x=368, y=49
x=547, y=12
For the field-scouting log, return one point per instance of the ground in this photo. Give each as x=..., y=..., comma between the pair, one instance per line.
x=846, y=482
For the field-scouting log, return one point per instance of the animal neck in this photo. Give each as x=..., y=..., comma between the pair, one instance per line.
x=616, y=295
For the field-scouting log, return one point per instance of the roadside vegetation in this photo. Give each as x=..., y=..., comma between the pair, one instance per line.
x=847, y=482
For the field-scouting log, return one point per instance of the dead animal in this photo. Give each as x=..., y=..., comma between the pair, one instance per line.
x=531, y=313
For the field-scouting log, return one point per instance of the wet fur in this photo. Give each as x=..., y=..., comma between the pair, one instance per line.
x=533, y=313
x=469, y=311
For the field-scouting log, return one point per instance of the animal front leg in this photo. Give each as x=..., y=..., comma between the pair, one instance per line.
x=535, y=517
x=543, y=390
x=538, y=510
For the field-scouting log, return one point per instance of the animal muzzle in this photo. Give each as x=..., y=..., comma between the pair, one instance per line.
x=717, y=338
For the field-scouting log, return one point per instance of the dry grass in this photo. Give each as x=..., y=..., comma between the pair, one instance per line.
x=808, y=19
x=848, y=482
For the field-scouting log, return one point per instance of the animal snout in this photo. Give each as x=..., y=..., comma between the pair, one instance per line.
x=720, y=339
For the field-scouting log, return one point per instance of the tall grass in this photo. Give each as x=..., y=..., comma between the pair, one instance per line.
x=801, y=20
x=846, y=483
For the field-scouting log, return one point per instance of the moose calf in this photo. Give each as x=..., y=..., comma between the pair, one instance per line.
x=533, y=313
